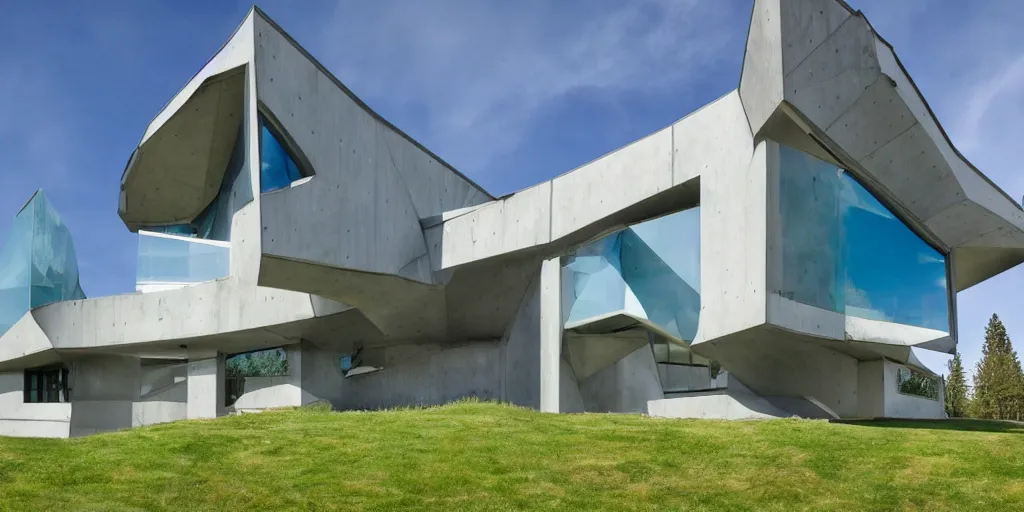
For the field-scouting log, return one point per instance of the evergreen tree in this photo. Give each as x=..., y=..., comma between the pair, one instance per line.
x=998, y=382
x=956, y=388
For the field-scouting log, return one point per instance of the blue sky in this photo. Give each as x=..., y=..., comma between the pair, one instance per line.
x=510, y=92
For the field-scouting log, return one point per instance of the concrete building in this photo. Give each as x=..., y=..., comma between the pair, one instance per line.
x=777, y=252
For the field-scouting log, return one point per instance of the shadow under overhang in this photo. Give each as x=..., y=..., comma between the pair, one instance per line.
x=174, y=174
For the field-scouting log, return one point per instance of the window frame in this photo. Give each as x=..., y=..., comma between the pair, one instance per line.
x=53, y=385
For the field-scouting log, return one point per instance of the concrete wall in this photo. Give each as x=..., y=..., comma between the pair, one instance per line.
x=733, y=224
x=205, y=387
x=371, y=184
x=676, y=377
x=421, y=374
x=260, y=393
x=625, y=386
x=871, y=389
x=521, y=345
x=898, y=405
x=19, y=419
x=104, y=390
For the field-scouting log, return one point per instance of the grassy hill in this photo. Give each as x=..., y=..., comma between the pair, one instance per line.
x=483, y=456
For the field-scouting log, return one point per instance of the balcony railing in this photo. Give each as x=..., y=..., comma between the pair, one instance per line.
x=170, y=261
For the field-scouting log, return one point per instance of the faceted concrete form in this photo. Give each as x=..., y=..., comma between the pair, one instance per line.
x=779, y=252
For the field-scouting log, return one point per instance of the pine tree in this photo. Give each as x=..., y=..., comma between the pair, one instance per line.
x=956, y=388
x=997, y=378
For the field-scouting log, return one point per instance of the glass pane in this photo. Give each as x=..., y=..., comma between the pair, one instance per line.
x=650, y=270
x=38, y=265
x=277, y=168
x=164, y=259
x=264, y=363
x=844, y=251
x=911, y=382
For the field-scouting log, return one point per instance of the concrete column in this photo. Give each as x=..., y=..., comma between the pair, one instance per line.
x=550, y=334
x=205, y=387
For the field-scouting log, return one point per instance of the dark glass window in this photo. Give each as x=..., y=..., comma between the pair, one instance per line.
x=47, y=385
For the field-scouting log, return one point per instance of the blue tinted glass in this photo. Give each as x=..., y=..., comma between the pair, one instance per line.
x=180, y=260
x=650, y=270
x=38, y=265
x=277, y=168
x=844, y=251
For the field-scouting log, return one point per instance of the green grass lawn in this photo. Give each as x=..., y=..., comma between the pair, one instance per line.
x=484, y=456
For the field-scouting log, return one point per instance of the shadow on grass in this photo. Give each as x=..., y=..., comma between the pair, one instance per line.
x=963, y=424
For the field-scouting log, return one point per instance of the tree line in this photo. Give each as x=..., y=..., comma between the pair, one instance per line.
x=998, y=387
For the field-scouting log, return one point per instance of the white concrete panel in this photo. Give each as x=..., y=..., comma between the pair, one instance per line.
x=35, y=428
x=90, y=417
x=715, y=138
x=863, y=329
x=268, y=392
x=516, y=222
x=421, y=374
x=975, y=186
x=207, y=309
x=871, y=389
x=715, y=405
x=615, y=181
x=625, y=386
x=799, y=317
x=24, y=338
x=205, y=388
x=521, y=346
x=806, y=24
x=589, y=354
x=733, y=247
x=154, y=412
x=569, y=398
x=761, y=78
x=835, y=74
x=550, y=333
x=19, y=419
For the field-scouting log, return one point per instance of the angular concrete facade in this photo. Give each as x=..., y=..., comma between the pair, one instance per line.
x=720, y=267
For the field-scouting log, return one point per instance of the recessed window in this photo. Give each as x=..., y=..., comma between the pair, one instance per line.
x=278, y=168
x=844, y=251
x=915, y=383
x=47, y=385
x=649, y=270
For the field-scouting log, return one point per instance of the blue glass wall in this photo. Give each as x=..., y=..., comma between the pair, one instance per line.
x=650, y=270
x=164, y=259
x=844, y=251
x=38, y=265
x=277, y=168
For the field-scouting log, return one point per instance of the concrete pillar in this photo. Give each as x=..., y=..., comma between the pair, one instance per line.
x=205, y=387
x=550, y=334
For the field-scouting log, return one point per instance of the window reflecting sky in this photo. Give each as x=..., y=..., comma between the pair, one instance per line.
x=845, y=251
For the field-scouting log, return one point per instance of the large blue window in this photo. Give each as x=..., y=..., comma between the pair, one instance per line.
x=38, y=265
x=277, y=167
x=844, y=251
x=650, y=270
